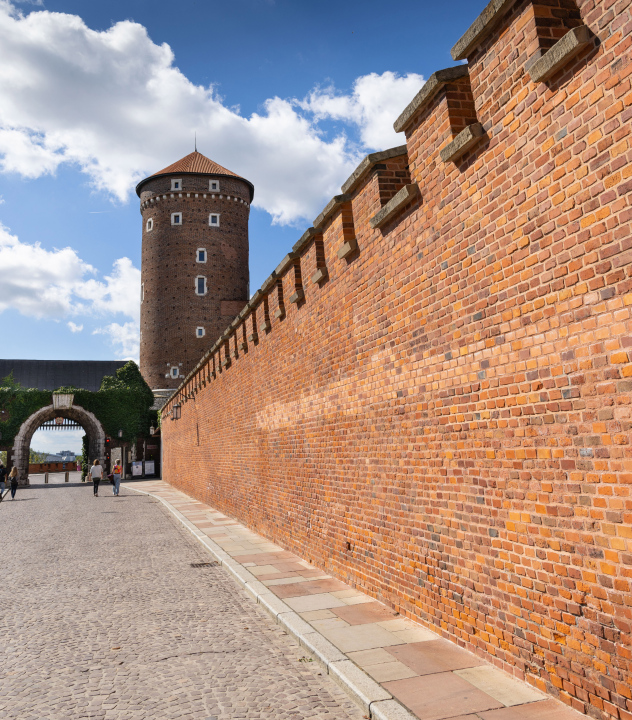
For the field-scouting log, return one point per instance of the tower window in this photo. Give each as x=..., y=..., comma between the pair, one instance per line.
x=201, y=255
x=150, y=225
x=213, y=219
x=200, y=285
x=213, y=185
x=176, y=184
x=200, y=332
x=176, y=218
x=175, y=372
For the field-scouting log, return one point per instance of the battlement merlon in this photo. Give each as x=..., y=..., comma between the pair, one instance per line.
x=368, y=163
x=481, y=28
x=433, y=85
x=463, y=132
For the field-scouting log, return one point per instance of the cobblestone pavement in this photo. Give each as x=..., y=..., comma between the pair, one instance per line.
x=104, y=616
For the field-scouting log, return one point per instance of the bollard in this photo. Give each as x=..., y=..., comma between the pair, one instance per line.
x=46, y=477
x=67, y=476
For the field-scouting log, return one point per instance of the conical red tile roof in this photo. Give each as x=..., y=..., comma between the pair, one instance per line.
x=196, y=164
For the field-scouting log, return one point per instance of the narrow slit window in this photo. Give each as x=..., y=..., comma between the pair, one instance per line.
x=175, y=372
x=176, y=218
x=200, y=285
x=201, y=255
x=200, y=332
x=176, y=184
x=213, y=186
x=213, y=219
x=150, y=225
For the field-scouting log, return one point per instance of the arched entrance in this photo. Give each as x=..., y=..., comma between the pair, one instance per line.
x=89, y=422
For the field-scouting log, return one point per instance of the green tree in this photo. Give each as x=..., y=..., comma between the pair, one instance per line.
x=123, y=403
x=37, y=457
x=10, y=382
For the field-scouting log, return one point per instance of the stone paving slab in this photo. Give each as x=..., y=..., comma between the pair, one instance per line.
x=394, y=668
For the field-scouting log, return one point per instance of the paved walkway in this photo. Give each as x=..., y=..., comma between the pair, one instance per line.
x=110, y=610
x=386, y=662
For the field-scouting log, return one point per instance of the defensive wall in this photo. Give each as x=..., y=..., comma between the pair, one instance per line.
x=431, y=397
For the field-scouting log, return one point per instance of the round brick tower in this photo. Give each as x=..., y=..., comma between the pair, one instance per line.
x=194, y=266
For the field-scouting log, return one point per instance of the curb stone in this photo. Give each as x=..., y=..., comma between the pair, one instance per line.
x=390, y=710
x=274, y=605
x=295, y=624
x=367, y=693
x=358, y=684
x=325, y=652
x=256, y=588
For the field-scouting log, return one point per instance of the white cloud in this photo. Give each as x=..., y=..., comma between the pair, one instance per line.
x=125, y=339
x=118, y=293
x=38, y=282
x=52, y=441
x=373, y=105
x=55, y=284
x=114, y=104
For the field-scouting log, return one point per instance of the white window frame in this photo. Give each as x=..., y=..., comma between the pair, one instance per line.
x=176, y=184
x=197, y=255
x=150, y=225
x=212, y=215
x=199, y=334
x=173, y=215
x=213, y=185
x=200, y=277
x=174, y=372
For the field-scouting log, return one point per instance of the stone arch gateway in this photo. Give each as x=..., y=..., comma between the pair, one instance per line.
x=89, y=422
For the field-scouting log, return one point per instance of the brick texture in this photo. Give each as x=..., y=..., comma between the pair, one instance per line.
x=445, y=421
x=171, y=311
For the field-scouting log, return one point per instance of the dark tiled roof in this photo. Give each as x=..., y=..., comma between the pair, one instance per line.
x=52, y=374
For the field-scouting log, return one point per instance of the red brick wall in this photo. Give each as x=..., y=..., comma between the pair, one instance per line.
x=171, y=311
x=35, y=468
x=446, y=421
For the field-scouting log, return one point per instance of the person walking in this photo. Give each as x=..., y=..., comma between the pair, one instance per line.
x=13, y=479
x=117, y=477
x=3, y=477
x=96, y=473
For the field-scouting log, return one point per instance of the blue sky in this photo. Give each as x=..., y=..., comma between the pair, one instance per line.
x=96, y=95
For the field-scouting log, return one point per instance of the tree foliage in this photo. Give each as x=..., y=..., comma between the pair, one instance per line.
x=85, y=461
x=123, y=402
x=37, y=457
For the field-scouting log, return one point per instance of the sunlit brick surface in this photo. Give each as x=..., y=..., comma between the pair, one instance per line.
x=445, y=422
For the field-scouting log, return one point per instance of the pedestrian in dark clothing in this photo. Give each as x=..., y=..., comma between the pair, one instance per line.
x=3, y=478
x=13, y=479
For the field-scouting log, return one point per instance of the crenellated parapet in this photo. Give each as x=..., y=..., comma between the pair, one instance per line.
x=377, y=186
x=431, y=395
x=452, y=119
